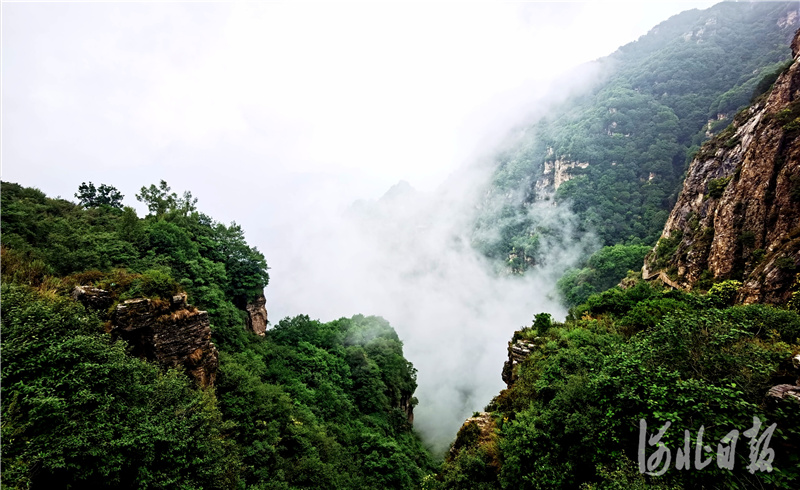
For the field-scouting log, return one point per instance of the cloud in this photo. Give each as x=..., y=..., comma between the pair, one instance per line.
x=408, y=257
x=279, y=116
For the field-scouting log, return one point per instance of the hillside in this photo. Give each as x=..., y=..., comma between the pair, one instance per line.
x=616, y=155
x=577, y=392
x=135, y=355
x=738, y=215
x=137, y=351
x=651, y=385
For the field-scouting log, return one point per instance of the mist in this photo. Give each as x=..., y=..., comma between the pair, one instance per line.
x=408, y=256
x=300, y=122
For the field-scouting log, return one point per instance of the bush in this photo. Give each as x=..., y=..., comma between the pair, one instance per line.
x=724, y=293
x=154, y=283
x=716, y=187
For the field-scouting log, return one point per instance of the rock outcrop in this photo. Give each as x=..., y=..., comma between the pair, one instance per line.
x=738, y=215
x=171, y=332
x=406, y=404
x=93, y=298
x=554, y=174
x=518, y=351
x=784, y=391
x=479, y=430
x=257, y=315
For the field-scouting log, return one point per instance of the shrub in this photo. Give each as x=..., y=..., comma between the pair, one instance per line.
x=716, y=187
x=724, y=293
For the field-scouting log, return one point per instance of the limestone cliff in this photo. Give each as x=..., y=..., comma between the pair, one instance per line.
x=738, y=214
x=171, y=332
x=554, y=174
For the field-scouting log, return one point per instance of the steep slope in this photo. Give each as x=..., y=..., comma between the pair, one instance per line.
x=111, y=380
x=585, y=398
x=738, y=215
x=578, y=393
x=616, y=155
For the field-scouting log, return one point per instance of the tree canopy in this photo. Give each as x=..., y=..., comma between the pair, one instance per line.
x=310, y=405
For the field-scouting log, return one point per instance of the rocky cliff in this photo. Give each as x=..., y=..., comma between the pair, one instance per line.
x=170, y=332
x=555, y=173
x=257, y=315
x=738, y=214
x=518, y=351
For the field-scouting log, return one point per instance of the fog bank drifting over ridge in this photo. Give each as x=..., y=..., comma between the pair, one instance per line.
x=408, y=258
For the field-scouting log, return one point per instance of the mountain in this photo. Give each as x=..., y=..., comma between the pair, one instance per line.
x=686, y=377
x=617, y=154
x=136, y=355
x=738, y=215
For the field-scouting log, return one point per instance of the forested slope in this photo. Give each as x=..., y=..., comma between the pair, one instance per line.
x=307, y=405
x=674, y=383
x=616, y=155
x=578, y=391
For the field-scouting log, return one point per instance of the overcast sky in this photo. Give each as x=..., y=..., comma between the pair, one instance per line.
x=278, y=116
x=240, y=102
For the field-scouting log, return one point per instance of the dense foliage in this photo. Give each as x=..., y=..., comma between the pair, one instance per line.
x=210, y=260
x=572, y=415
x=634, y=133
x=603, y=270
x=79, y=411
x=310, y=405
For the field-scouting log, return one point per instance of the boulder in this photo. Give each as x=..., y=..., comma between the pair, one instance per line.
x=93, y=298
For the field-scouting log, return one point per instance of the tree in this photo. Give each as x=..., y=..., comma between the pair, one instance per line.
x=161, y=202
x=246, y=267
x=105, y=195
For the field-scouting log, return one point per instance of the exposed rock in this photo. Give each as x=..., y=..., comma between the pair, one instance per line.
x=518, y=351
x=172, y=333
x=789, y=19
x=479, y=430
x=661, y=276
x=257, y=315
x=556, y=173
x=780, y=392
x=407, y=406
x=93, y=298
x=738, y=215
x=179, y=301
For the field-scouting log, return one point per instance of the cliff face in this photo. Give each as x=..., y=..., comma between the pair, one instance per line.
x=738, y=215
x=518, y=351
x=257, y=316
x=173, y=333
x=554, y=174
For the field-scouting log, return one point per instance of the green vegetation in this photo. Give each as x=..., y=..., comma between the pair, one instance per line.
x=717, y=186
x=328, y=405
x=603, y=270
x=571, y=418
x=78, y=410
x=310, y=405
x=665, y=249
x=91, y=197
x=638, y=129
